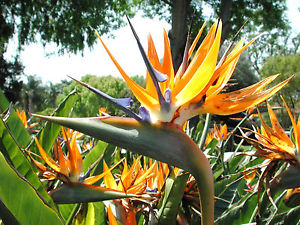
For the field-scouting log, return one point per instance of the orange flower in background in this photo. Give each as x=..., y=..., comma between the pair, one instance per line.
x=65, y=168
x=103, y=111
x=195, y=88
x=220, y=134
x=136, y=179
x=273, y=143
x=23, y=118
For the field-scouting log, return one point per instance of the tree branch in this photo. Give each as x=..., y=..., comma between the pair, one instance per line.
x=167, y=2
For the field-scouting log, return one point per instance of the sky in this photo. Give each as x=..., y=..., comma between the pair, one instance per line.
x=95, y=61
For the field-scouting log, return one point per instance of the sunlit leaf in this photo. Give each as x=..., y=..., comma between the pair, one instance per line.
x=16, y=192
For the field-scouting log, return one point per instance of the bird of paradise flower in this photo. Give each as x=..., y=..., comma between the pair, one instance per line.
x=68, y=169
x=136, y=179
x=170, y=99
x=23, y=118
x=273, y=144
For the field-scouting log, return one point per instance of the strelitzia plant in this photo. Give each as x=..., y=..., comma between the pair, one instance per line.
x=68, y=170
x=274, y=145
x=136, y=179
x=169, y=100
x=23, y=118
x=220, y=134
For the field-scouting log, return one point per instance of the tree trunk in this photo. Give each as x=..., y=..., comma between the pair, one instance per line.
x=178, y=32
x=225, y=14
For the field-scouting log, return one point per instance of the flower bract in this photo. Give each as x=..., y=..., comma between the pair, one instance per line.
x=196, y=88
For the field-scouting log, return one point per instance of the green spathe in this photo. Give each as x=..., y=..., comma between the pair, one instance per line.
x=79, y=193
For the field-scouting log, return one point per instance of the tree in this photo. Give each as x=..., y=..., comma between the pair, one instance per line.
x=88, y=103
x=33, y=95
x=36, y=96
x=274, y=44
x=69, y=24
x=10, y=78
x=10, y=71
x=263, y=16
x=286, y=66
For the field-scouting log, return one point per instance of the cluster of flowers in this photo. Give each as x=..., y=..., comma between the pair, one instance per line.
x=168, y=101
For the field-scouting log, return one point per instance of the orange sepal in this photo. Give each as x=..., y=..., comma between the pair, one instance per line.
x=46, y=158
x=111, y=218
x=108, y=179
x=235, y=102
x=140, y=93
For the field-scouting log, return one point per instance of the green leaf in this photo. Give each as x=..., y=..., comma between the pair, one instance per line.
x=81, y=193
x=174, y=190
x=225, y=190
x=6, y=216
x=152, y=140
x=16, y=157
x=293, y=217
x=68, y=212
x=86, y=215
x=49, y=133
x=4, y=103
x=97, y=152
x=92, y=213
x=100, y=213
x=288, y=179
x=240, y=212
x=14, y=123
x=22, y=200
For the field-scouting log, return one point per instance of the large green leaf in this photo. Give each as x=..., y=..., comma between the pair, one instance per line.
x=174, y=190
x=13, y=134
x=14, y=154
x=288, y=179
x=225, y=190
x=100, y=213
x=14, y=123
x=6, y=216
x=240, y=212
x=163, y=143
x=22, y=200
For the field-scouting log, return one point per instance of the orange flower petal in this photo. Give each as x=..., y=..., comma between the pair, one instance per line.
x=94, y=179
x=111, y=218
x=153, y=57
x=108, y=179
x=235, y=102
x=296, y=128
x=203, y=74
x=181, y=81
x=196, y=40
x=140, y=93
x=225, y=73
x=167, y=65
x=280, y=132
x=46, y=158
